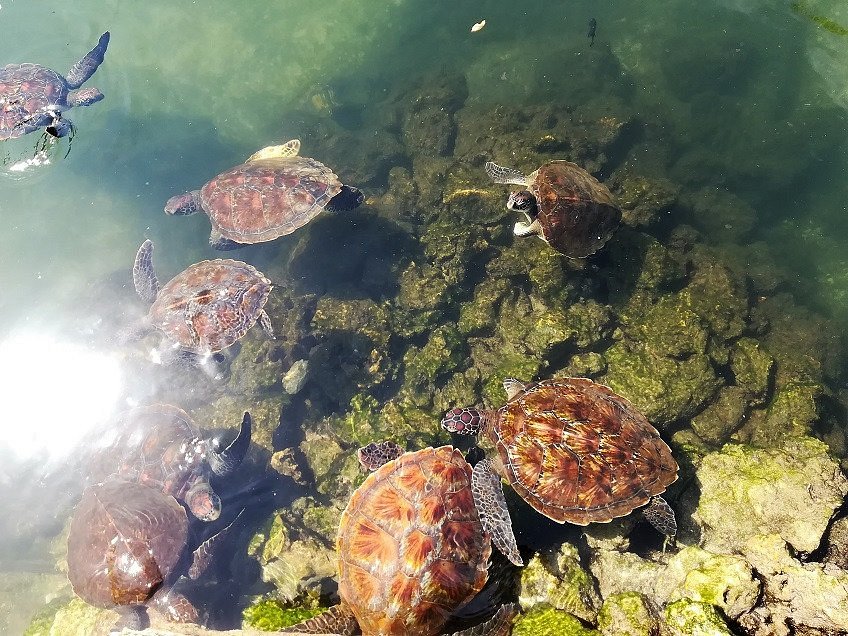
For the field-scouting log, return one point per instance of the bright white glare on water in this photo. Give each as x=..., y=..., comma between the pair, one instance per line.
x=53, y=393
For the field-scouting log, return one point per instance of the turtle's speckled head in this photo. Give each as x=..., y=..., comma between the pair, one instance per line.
x=522, y=201
x=59, y=127
x=203, y=502
x=183, y=204
x=465, y=421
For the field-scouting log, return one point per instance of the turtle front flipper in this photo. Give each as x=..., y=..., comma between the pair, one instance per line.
x=491, y=506
x=288, y=149
x=218, y=242
x=265, y=323
x=228, y=460
x=82, y=70
x=527, y=229
x=660, y=515
x=336, y=620
x=499, y=625
x=375, y=454
x=144, y=278
x=202, y=556
x=500, y=174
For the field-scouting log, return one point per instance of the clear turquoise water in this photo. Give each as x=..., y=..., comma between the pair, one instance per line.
x=748, y=97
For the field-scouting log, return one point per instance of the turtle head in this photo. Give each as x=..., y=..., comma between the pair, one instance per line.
x=523, y=201
x=467, y=421
x=347, y=199
x=203, y=502
x=184, y=204
x=59, y=127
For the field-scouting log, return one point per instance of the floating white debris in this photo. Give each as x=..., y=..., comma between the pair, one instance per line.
x=478, y=26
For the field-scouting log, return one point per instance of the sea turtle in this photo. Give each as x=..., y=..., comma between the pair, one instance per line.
x=206, y=307
x=127, y=548
x=565, y=206
x=414, y=543
x=160, y=446
x=575, y=451
x=33, y=97
x=270, y=195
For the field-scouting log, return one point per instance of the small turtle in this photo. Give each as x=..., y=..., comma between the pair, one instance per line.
x=270, y=195
x=575, y=451
x=208, y=306
x=160, y=446
x=33, y=97
x=565, y=206
x=126, y=546
x=414, y=544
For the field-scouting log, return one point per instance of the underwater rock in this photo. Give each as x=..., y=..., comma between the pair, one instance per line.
x=421, y=299
x=450, y=249
x=358, y=316
x=721, y=215
x=752, y=366
x=255, y=370
x=272, y=615
x=585, y=365
x=557, y=579
x=295, y=377
x=792, y=491
x=627, y=614
x=643, y=200
x=717, y=295
x=227, y=411
x=285, y=463
x=691, y=618
x=722, y=416
x=336, y=469
x=549, y=621
x=443, y=353
x=429, y=123
x=479, y=315
x=837, y=544
x=796, y=594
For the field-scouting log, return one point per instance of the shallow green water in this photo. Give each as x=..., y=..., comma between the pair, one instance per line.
x=745, y=98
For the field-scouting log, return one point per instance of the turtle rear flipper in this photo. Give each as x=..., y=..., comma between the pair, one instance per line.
x=218, y=242
x=174, y=605
x=82, y=70
x=84, y=97
x=500, y=174
x=227, y=460
x=336, y=620
x=132, y=617
x=144, y=278
x=491, y=506
x=499, y=625
x=660, y=515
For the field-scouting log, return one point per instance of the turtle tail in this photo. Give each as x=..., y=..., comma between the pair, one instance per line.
x=348, y=199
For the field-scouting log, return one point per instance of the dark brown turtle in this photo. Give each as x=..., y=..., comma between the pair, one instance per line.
x=270, y=195
x=33, y=96
x=565, y=206
x=206, y=307
x=160, y=446
x=414, y=544
x=575, y=451
x=126, y=546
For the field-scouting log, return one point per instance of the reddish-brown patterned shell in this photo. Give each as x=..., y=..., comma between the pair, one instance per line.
x=210, y=305
x=26, y=90
x=411, y=546
x=124, y=541
x=267, y=198
x=577, y=452
x=576, y=211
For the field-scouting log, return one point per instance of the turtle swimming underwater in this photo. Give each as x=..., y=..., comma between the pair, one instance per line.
x=33, y=96
x=160, y=446
x=206, y=307
x=575, y=451
x=272, y=194
x=126, y=548
x=565, y=206
x=414, y=544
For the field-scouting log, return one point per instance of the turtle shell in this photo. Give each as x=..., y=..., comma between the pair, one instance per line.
x=125, y=539
x=576, y=211
x=264, y=199
x=158, y=446
x=410, y=543
x=577, y=452
x=210, y=305
x=26, y=92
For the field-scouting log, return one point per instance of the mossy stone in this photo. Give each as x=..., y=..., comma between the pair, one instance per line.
x=643, y=199
x=422, y=295
x=752, y=366
x=549, y=621
x=719, y=297
x=691, y=618
x=271, y=615
x=626, y=614
x=586, y=365
x=227, y=411
x=479, y=315
x=362, y=316
x=443, y=352
x=791, y=413
x=722, y=416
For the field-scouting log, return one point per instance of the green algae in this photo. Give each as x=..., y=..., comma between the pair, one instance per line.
x=752, y=367
x=691, y=618
x=803, y=9
x=271, y=615
x=558, y=580
x=548, y=621
x=626, y=614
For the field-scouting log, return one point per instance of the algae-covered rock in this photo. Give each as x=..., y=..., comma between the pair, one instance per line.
x=721, y=215
x=586, y=365
x=421, y=298
x=627, y=614
x=549, y=621
x=837, y=544
x=799, y=594
x=336, y=469
x=359, y=316
x=791, y=491
x=643, y=200
x=443, y=353
x=722, y=416
x=479, y=315
x=581, y=324
x=791, y=413
x=272, y=615
x=691, y=618
x=752, y=368
x=558, y=580
x=227, y=411
x=642, y=267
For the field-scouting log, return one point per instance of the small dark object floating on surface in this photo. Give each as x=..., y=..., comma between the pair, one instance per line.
x=593, y=26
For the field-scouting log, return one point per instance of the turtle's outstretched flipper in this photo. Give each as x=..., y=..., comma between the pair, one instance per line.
x=660, y=515
x=202, y=556
x=491, y=506
x=375, y=454
x=513, y=387
x=500, y=174
x=499, y=625
x=227, y=460
x=144, y=278
x=336, y=620
x=82, y=70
